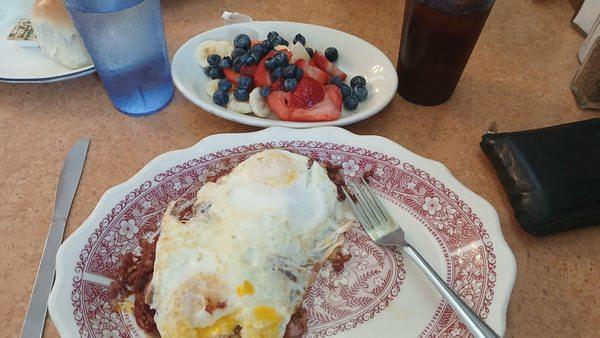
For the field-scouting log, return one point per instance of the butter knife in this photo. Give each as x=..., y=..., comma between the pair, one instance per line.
x=68, y=181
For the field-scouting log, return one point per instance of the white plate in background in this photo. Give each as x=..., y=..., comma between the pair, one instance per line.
x=20, y=64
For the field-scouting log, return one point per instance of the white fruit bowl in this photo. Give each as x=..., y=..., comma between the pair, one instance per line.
x=356, y=57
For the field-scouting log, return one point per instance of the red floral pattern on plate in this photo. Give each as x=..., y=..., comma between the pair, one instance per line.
x=336, y=303
x=339, y=301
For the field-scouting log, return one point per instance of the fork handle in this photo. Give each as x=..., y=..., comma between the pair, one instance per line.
x=475, y=324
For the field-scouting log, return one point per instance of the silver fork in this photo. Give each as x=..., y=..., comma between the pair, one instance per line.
x=384, y=230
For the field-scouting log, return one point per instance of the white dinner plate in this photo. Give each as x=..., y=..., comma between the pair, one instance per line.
x=356, y=57
x=379, y=293
x=20, y=64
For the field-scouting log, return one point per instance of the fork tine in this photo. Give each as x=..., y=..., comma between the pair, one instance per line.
x=363, y=203
x=369, y=204
x=377, y=200
x=357, y=211
x=372, y=227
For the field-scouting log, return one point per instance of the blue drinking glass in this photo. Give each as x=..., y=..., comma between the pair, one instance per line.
x=126, y=41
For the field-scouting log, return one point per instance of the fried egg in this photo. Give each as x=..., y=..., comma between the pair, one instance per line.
x=242, y=264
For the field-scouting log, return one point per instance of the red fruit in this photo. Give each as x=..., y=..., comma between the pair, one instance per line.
x=321, y=61
x=315, y=73
x=231, y=75
x=277, y=85
x=308, y=92
x=335, y=95
x=248, y=71
x=278, y=102
x=262, y=77
x=327, y=110
x=285, y=106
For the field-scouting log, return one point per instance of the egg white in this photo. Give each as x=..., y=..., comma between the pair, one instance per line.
x=251, y=243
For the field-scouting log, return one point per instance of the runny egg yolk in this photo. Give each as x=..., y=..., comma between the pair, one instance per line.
x=222, y=327
x=265, y=324
x=245, y=289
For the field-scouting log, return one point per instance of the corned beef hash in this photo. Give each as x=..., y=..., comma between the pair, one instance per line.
x=240, y=263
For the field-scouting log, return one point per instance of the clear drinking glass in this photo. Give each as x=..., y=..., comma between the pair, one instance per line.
x=126, y=41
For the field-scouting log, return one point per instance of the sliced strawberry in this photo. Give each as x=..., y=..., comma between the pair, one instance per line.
x=288, y=107
x=321, y=61
x=335, y=95
x=315, y=73
x=262, y=77
x=248, y=71
x=326, y=110
x=309, y=92
x=277, y=85
x=231, y=75
x=278, y=102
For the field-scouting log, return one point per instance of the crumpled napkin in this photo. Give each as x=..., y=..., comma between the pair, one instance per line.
x=230, y=18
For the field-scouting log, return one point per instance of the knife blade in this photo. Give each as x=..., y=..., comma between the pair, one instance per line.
x=33, y=326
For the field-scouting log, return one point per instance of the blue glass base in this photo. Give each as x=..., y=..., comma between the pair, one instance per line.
x=148, y=112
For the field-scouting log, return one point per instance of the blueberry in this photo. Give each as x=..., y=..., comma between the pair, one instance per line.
x=226, y=62
x=221, y=97
x=268, y=44
x=207, y=70
x=299, y=38
x=346, y=90
x=331, y=54
x=289, y=71
x=216, y=73
x=247, y=59
x=256, y=56
x=272, y=35
x=298, y=74
x=310, y=51
x=276, y=74
x=350, y=102
x=244, y=82
x=261, y=50
x=242, y=41
x=271, y=63
x=214, y=60
x=336, y=81
x=237, y=64
x=250, y=58
x=241, y=94
x=280, y=41
x=360, y=93
x=237, y=52
x=290, y=84
x=224, y=84
x=358, y=81
x=265, y=91
x=282, y=58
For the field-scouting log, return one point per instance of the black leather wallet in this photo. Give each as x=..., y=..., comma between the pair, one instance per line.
x=551, y=175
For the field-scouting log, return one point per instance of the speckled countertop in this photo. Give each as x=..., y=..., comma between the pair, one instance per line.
x=518, y=76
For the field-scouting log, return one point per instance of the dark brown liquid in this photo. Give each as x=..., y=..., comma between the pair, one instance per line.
x=437, y=40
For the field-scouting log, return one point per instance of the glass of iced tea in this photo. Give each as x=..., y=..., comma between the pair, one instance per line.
x=438, y=37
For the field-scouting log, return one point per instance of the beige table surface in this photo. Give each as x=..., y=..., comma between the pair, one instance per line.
x=518, y=76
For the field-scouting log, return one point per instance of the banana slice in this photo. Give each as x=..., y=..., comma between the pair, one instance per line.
x=241, y=107
x=258, y=104
x=281, y=47
x=208, y=47
x=211, y=87
x=299, y=52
